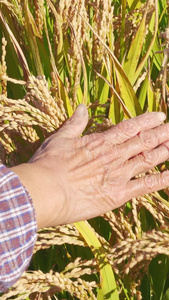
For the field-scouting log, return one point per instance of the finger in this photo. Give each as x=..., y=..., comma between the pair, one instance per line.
x=129, y=128
x=145, y=141
x=106, y=153
x=74, y=126
x=147, y=184
x=104, y=141
x=147, y=160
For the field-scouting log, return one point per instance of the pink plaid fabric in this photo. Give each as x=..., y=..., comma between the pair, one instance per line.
x=18, y=228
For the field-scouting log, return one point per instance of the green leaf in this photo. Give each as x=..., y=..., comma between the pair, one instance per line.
x=65, y=99
x=114, y=110
x=145, y=287
x=127, y=92
x=100, y=295
x=103, y=88
x=166, y=295
x=143, y=93
x=144, y=59
x=134, y=53
x=18, y=50
x=122, y=31
x=31, y=36
x=134, y=4
x=159, y=268
x=157, y=55
x=107, y=281
x=152, y=104
x=79, y=95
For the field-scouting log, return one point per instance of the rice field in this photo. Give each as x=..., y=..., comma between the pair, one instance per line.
x=113, y=57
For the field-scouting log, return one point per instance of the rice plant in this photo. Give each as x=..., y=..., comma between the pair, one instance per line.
x=113, y=57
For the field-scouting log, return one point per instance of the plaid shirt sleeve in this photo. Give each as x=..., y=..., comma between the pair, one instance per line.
x=18, y=228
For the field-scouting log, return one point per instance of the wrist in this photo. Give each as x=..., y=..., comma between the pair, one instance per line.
x=38, y=184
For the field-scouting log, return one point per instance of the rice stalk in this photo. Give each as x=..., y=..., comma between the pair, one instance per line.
x=3, y=68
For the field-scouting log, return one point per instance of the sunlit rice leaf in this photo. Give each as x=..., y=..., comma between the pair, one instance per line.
x=144, y=59
x=134, y=4
x=103, y=88
x=152, y=103
x=124, y=107
x=30, y=26
x=65, y=99
x=114, y=110
x=143, y=93
x=134, y=53
x=127, y=93
x=107, y=281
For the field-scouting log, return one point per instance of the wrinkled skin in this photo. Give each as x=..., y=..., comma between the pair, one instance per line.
x=72, y=178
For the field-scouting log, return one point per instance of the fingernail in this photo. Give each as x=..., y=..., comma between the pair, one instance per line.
x=161, y=116
x=82, y=109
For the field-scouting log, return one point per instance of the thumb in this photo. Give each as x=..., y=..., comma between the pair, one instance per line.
x=74, y=126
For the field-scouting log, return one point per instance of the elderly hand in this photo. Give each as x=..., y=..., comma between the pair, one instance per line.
x=72, y=178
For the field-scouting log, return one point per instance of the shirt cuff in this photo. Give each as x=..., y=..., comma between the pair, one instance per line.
x=18, y=228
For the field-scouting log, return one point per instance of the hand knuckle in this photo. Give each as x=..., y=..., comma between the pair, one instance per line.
x=148, y=139
x=148, y=159
x=128, y=127
x=113, y=151
x=164, y=178
x=108, y=151
x=149, y=182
